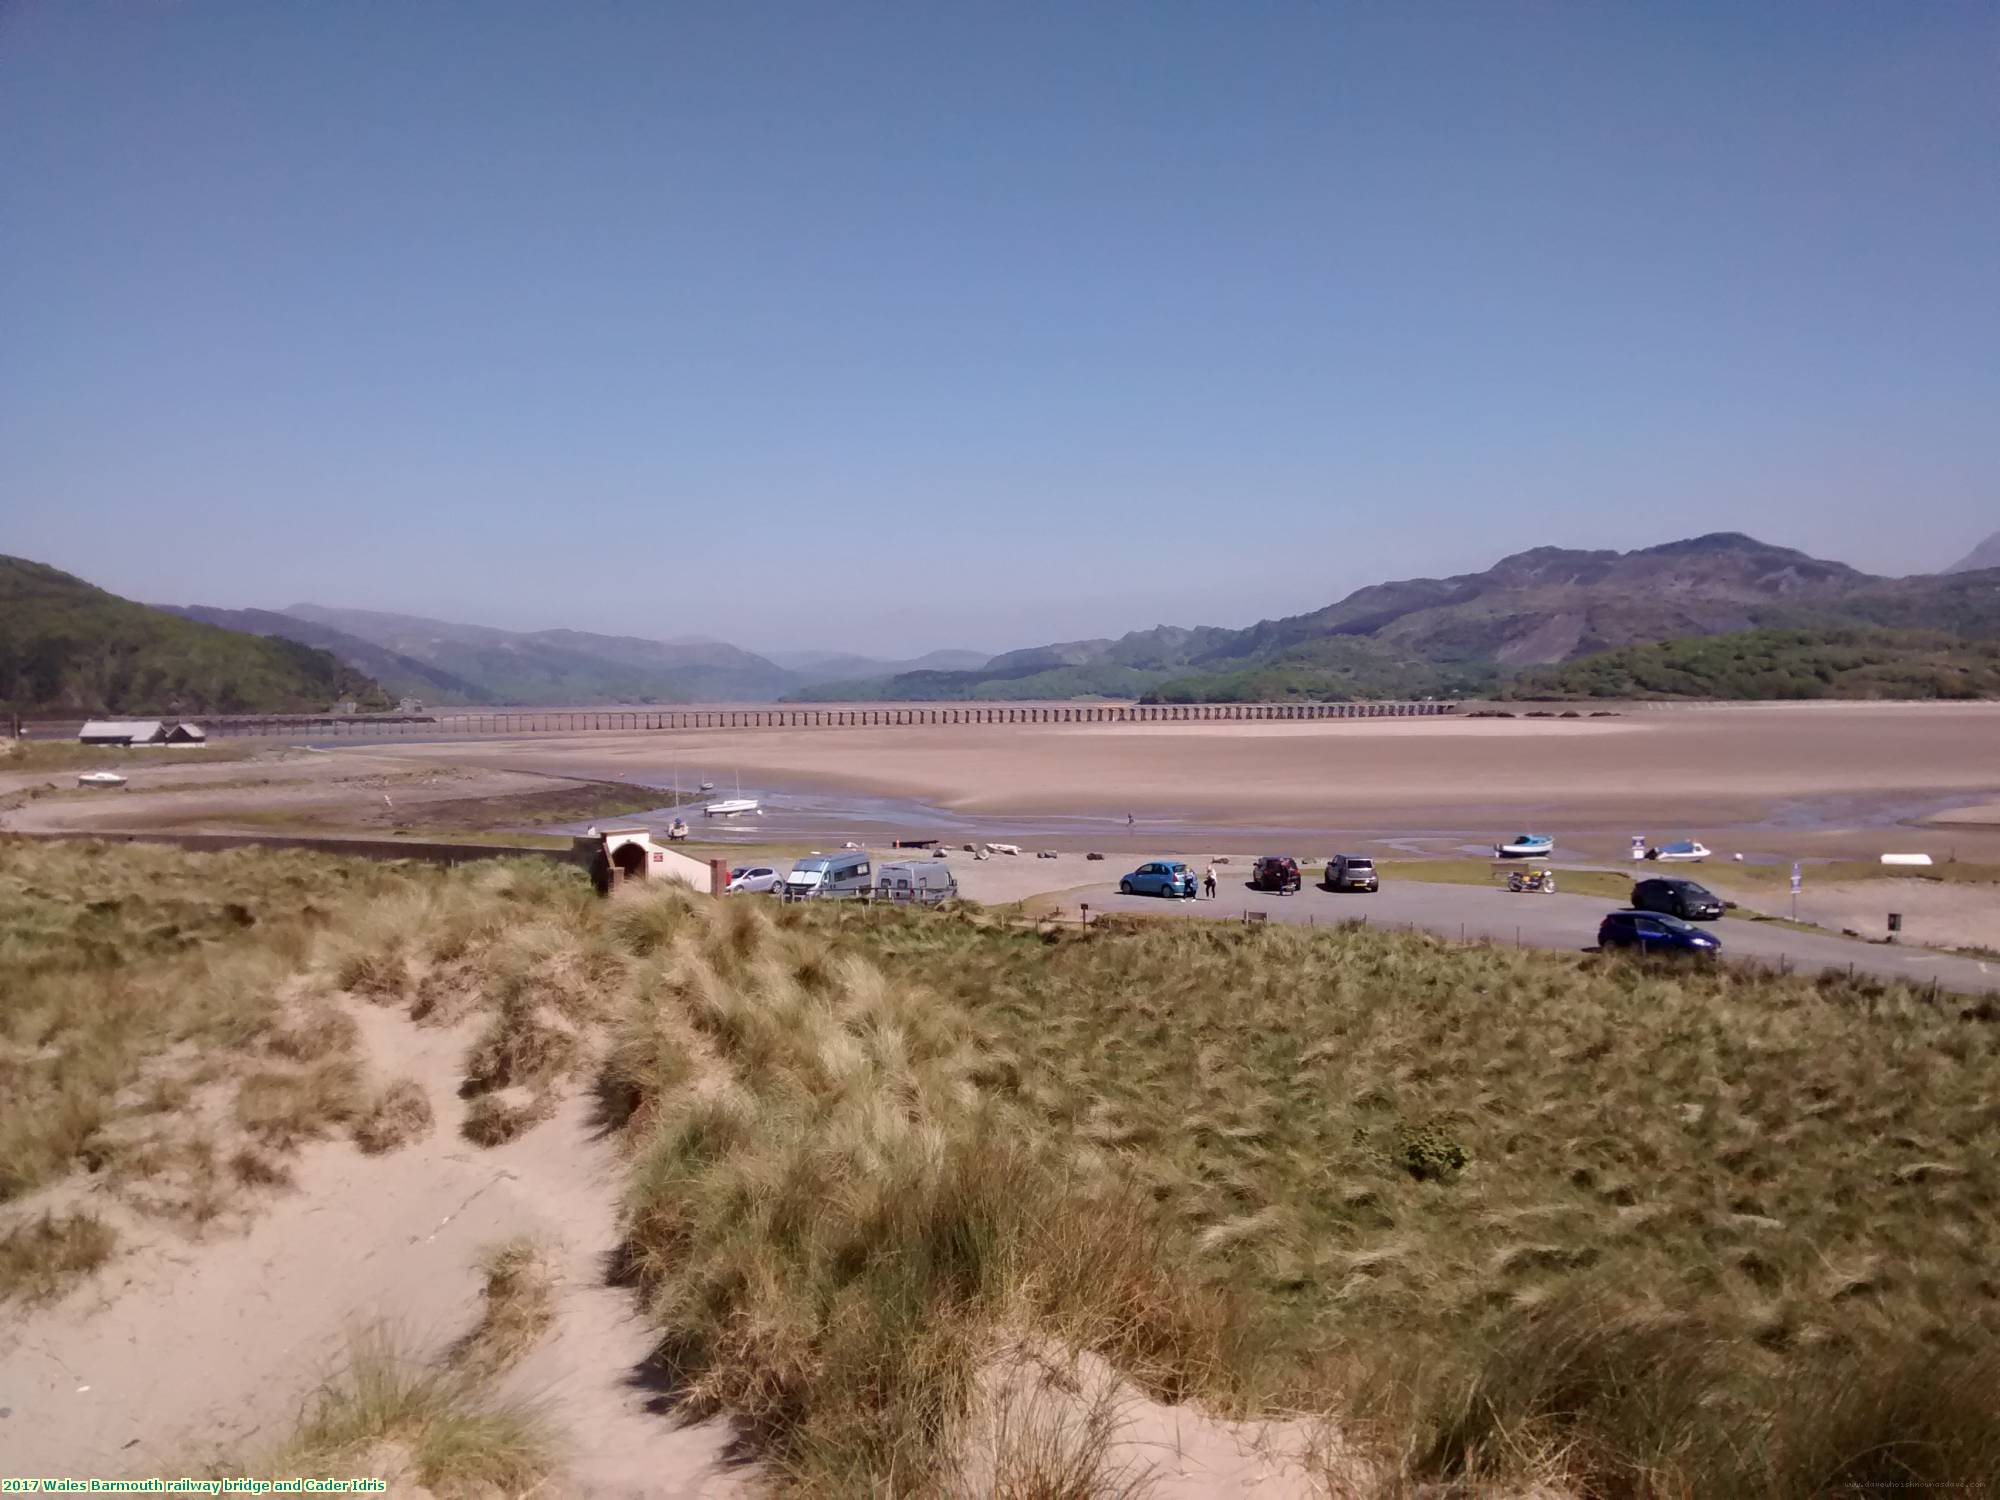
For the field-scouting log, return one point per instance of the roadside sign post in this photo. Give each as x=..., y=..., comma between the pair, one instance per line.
x=1796, y=882
x=1638, y=846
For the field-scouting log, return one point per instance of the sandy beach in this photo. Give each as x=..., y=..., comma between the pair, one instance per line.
x=1780, y=780
x=1774, y=782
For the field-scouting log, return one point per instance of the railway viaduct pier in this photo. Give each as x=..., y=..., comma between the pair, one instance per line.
x=829, y=716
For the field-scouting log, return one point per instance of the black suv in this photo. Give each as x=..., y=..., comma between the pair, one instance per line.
x=1276, y=872
x=1686, y=899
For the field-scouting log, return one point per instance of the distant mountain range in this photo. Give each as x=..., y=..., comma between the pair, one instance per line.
x=840, y=666
x=1549, y=619
x=444, y=662
x=67, y=646
x=1985, y=555
x=1466, y=634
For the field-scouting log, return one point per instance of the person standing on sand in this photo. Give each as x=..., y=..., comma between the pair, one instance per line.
x=1209, y=881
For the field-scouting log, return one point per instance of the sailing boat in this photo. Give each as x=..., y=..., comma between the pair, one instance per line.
x=731, y=807
x=678, y=829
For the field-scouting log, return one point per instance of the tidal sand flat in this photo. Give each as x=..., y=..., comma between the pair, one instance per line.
x=1819, y=779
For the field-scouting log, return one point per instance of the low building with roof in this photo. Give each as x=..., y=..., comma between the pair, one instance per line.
x=126, y=732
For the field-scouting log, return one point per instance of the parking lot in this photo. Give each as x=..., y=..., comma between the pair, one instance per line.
x=1542, y=921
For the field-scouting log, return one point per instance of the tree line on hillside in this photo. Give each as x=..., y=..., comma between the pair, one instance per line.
x=1853, y=662
x=68, y=647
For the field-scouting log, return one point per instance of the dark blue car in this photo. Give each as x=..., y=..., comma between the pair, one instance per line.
x=1161, y=877
x=1655, y=932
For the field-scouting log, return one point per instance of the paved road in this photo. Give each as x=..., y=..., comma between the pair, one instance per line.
x=1558, y=921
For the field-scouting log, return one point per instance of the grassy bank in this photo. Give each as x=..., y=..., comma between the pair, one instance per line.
x=67, y=755
x=1509, y=1212
x=1503, y=1215
x=1840, y=872
x=560, y=803
x=168, y=1034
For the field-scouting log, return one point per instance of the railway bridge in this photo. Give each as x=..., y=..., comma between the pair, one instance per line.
x=789, y=716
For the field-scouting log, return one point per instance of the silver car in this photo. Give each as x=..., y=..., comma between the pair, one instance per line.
x=756, y=879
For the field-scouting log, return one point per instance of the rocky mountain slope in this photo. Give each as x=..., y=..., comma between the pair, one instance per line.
x=1466, y=633
x=1985, y=555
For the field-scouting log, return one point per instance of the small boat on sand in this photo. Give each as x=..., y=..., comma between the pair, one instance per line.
x=101, y=779
x=1680, y=851
x=731, y=807
x=1526, y=846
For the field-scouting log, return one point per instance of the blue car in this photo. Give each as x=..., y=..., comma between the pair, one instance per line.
x=1163, y=877
x=1655, y=932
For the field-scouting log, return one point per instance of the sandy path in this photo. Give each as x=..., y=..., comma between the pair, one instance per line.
x=182, y=1350
x=213, y=798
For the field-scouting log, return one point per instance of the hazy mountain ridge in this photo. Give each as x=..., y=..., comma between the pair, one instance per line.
x=69, y=646
x=558, y=666
x=836, y=666
x=400, y=676
x=1985, y=555
x=450, y=662
x=1466, y=633
x=1457, y=636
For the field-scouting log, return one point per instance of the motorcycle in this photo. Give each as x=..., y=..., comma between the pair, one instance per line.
x=1532, y=880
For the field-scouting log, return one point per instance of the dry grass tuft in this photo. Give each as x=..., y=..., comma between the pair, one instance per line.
x=43, y=1257
x=320, y=1030
x=1043, y=1433
x=523, y=1045
x=396, y=1116
x=495, y=1119
x=518, y=1308
x=460, y=1440
x=283, y=1107
x=381, y=974
x=254, y=1169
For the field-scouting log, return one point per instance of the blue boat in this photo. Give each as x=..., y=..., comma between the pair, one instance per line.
x=1526, y=846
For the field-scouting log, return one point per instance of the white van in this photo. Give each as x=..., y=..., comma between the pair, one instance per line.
x=924, y=881
x=849, y=872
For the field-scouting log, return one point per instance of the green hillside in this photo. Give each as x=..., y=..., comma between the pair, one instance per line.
x=1092, y=680
x=1841, y=662
x=1331, y=670
x=1851, y=635
x=69, y=647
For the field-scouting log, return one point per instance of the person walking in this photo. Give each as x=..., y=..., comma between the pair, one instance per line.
x=1208, y=880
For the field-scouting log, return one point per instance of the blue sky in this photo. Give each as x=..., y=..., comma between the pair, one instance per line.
x=893, y=326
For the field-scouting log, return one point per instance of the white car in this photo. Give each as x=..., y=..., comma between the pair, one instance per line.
x=757, y=879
